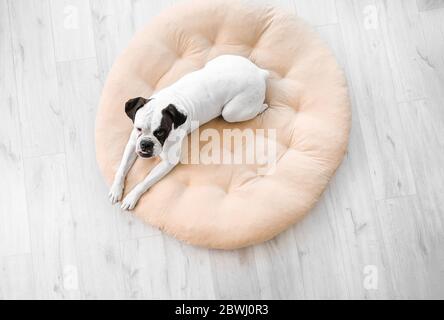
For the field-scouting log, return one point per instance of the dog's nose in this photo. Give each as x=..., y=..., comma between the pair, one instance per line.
x=146, y=145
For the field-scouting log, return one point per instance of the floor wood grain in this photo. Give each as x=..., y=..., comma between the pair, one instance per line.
x=425, y=5
x=378, y=113
x=36, y=78
x=377, y=232
x=14, y=232
x=51, y=234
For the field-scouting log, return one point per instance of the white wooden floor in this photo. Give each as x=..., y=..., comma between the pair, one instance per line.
x=377, y=233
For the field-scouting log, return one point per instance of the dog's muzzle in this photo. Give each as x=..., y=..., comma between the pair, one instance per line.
x=145, y=155
x=146, y=149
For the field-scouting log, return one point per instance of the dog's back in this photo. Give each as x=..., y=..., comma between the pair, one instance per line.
x=205, y=92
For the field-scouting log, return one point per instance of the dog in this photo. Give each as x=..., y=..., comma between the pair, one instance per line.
x=229, y=86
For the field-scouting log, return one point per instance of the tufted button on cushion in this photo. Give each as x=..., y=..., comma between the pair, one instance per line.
x=233, y=205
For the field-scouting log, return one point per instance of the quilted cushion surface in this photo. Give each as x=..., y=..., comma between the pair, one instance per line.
x=228, y=206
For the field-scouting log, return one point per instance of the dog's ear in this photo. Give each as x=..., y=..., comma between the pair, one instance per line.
x=177, y=117
x=133, y=105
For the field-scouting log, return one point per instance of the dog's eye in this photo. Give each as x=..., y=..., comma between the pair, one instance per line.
x=160, y=133
x=139, y=129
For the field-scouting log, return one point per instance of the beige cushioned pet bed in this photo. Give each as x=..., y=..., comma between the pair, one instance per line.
x=231, y=206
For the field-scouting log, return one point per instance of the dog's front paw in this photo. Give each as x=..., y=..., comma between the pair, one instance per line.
x=130, y=201
x=116, y=192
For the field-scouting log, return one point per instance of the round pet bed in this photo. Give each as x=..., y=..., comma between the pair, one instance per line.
x=229, y=206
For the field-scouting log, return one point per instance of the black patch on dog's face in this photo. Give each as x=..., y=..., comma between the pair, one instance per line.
x=133, y=105
x=170, y=116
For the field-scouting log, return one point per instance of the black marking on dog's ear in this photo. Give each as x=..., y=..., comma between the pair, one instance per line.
x=177, y=117
x=170, y=117
x=133, y=105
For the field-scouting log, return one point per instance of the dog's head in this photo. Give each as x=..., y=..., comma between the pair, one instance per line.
x=153, y=120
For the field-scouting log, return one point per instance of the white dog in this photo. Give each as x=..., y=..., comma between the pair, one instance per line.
x=231, y=86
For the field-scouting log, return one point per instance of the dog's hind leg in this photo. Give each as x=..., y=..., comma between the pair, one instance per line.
x=244, y=107
x=264, y=107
